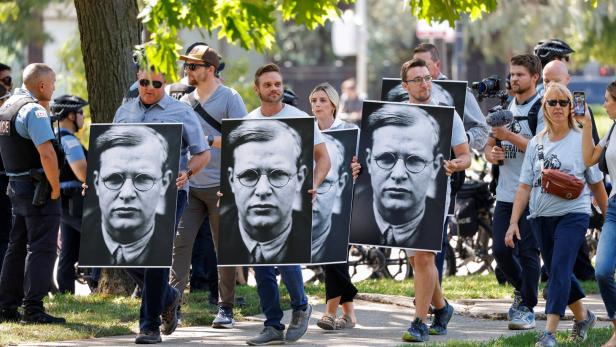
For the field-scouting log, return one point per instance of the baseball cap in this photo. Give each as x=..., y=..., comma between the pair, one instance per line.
x=203, y=53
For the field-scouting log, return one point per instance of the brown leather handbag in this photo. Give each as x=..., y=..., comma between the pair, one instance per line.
x=556, y=182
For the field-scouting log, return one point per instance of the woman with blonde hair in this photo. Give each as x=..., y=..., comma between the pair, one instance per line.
x=605, y=261
x=339, y=291
x=559, y=223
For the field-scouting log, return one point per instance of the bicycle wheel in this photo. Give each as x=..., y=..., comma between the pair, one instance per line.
x=397, y=264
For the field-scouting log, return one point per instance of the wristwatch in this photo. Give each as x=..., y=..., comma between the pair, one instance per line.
x=210, y=140
x=189, y=173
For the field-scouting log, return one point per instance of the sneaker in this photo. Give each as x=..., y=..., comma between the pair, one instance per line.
x=170, y=314
x=148, y=338
x=580, y=329
x=547, y=339
x=268, y=336
x=517, y=301
x=224, y=318
x=523, y=319
x=40, y=317
x=299, y=324
x=9, y=315
x=441, y=319
x=417, y=332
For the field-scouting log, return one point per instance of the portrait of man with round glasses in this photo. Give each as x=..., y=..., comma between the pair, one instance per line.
x=331, y=212
x=129, y=215
x=265, y=208
x=399, y=199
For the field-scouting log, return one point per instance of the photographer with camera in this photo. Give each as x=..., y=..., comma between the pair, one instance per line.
x=520, y=267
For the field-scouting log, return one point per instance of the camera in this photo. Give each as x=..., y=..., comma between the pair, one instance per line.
x=488, y=87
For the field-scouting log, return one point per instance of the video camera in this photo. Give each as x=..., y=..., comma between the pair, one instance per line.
x=490, y=87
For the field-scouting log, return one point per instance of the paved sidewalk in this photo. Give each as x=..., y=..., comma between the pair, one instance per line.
x=380, y=324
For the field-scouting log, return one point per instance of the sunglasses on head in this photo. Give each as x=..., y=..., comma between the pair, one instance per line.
x=554, y=102
x=8, y=80
x=194, y=66
x=146, y=83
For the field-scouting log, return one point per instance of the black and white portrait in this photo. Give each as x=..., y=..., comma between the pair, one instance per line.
x=331, y=212
x=266, y=172
x=444, y=92
x=399, y=199
x=130, y=202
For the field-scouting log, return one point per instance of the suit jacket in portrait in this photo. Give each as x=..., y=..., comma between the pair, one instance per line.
x=364, y=229
x=93, y=250
x=336, y=244
x=233, y=251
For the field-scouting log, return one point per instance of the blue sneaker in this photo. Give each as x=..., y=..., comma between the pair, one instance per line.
x=417, y=332
x=224, y=319
x=580, y=329
x=517, y=301
x=547, y=339
x=523, y=319
x=441, y=319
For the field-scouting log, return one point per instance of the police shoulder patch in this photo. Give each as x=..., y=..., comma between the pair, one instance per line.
x=41, y=114
x=71, y=142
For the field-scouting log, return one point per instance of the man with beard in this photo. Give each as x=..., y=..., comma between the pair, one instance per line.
x=520, y=266
x=269, y=87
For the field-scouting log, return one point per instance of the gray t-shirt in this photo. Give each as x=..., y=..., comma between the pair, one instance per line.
x=565, y=155
x=224, y=103
x=610, y=156
x=288, y=111
x=514, y=157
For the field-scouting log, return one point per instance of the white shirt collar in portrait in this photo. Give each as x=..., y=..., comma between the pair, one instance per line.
x=403, y=232
x=131, y=251
x=271, y=249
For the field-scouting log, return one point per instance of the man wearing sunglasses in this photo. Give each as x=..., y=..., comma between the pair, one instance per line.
x=520, y=266
x=213, y=102
x=154, y=106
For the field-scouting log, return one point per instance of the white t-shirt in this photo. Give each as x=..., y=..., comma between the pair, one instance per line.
x=610, y=156
x=287, y=111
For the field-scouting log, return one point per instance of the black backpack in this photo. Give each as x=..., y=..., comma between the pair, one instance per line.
x=532, y=118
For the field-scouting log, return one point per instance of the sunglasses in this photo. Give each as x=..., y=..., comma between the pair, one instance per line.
x=554, y=102
x=146, y=83
x=8, y=80
x=194, y=66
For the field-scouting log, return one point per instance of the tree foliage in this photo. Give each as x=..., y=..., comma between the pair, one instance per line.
x=17, y=18
x=450, y=11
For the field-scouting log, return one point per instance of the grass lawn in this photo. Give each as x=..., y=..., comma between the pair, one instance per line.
x=601, y=119
x=98, y=316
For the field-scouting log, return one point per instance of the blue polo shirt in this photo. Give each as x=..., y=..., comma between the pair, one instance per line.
x=168, y=110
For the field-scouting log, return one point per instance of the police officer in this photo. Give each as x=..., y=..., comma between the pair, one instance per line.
x=68, y=110
x=5, y=203
x=30, y=161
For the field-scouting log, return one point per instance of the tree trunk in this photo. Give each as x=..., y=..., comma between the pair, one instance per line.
x=36, y=42
x=109, y=31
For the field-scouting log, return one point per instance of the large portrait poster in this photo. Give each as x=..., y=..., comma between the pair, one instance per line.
x=444, y=92
x=130, y=203
x=399, y=198
x=331, y=212
x=266, y=210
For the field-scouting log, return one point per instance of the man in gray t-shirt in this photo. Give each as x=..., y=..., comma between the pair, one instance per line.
x=522, y=268
x=212, y=102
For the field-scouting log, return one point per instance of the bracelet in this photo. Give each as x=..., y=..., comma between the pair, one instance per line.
x=189, y=173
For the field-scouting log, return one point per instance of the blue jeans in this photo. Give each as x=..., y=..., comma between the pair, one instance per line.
x=269, y=296
x=560, y=238
x=439, y=260
x=28, y=262
x=606, y=261
x=520, y=265
x=204, y=275
x=156, y=293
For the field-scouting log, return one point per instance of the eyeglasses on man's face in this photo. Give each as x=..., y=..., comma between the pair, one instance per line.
x=325, y=186
x=194, y=66
x=141, y=182
x=146, y=83
x=554, y=102
x=277, y=178
x=412, y=163
x=419, y=80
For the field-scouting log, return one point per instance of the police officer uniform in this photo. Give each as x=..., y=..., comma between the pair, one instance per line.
x=28, y=263
x=70, y=188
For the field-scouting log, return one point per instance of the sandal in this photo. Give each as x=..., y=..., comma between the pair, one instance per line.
x=344, y=322
x=327, y=322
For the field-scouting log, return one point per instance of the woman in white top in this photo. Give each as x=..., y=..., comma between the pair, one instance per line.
x=559, y=224
x=606, y=260
x=339, y=291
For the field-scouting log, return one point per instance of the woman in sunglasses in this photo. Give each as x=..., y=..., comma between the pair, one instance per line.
x=559, y=224
x=605, y=261
x=339, y=291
